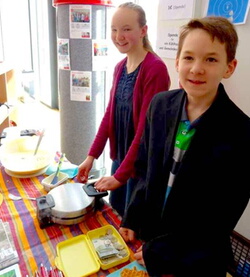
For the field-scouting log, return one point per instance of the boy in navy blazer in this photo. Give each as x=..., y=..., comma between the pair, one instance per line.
x=193, y=162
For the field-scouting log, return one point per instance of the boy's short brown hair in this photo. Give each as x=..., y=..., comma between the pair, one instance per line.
x=217, y=27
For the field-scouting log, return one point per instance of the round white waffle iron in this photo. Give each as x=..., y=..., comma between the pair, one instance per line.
x=68, y=204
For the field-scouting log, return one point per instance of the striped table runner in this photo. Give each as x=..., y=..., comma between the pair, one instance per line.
x=37, y=246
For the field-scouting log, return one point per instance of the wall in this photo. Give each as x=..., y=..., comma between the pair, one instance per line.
x=237, y=85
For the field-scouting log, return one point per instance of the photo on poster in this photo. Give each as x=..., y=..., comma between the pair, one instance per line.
x=99, y=55
x=80, y=21
x=63, y=54
x=80, y=83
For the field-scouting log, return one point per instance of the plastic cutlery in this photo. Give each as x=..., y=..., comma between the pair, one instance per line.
x=39, y=141
x=55, y=179
x=15, y=197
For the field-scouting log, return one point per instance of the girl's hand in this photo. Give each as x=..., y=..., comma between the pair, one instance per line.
x=84, y=168
x=107, y=183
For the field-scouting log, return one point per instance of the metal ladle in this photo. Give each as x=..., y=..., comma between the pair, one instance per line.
x=15, y=197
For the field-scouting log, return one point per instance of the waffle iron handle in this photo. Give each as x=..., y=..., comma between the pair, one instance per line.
x=91, y=191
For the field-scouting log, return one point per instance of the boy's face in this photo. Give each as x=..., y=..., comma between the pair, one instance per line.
x=202, y=65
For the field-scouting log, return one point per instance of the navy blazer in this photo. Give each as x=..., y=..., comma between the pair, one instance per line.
x=210, y=191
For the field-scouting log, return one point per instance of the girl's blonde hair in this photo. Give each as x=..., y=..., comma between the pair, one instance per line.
x=141, y=20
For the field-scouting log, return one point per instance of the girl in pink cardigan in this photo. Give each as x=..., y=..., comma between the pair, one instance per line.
x=137, y=78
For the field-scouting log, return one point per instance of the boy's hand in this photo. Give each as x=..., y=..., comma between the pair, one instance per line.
x=139, y=256
x=127, y=234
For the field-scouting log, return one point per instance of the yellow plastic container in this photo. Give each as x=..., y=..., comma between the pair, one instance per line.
x=76, y=257
x=96, y=233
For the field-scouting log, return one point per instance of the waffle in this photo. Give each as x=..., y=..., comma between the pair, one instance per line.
x=126, y=272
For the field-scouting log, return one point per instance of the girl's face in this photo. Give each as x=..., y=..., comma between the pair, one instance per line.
x=126, y=33
x=202, y=65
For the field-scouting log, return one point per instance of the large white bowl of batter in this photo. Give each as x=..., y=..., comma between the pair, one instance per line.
x=17, y=156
